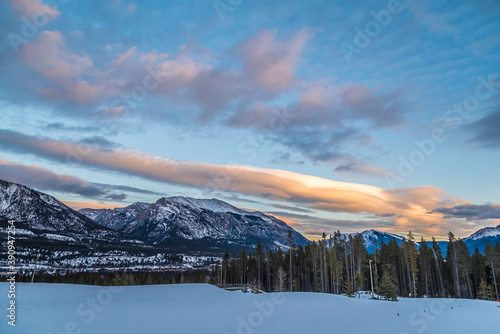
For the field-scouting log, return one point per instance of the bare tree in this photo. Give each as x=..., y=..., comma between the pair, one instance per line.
x=280, y=280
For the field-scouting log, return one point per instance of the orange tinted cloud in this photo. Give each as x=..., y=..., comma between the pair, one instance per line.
x=289, y=221
x=410, y=207
x=77, y=205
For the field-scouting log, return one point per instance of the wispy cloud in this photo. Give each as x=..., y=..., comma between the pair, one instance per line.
x=45, y=180
x=486, y=130
x=471, y=211
x=77, y=205
x=48, y=56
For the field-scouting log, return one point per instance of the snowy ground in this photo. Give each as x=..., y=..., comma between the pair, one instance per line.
x=201, y=308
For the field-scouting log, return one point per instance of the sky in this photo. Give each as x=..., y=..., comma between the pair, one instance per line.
x=329, y=115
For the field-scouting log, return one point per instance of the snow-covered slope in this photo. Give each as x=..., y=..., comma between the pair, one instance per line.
x=486, y=232
x=184, y=220
x=372, y=236
x=37, y=211
x=201, y=308
x=481, y=238
x=62, y=235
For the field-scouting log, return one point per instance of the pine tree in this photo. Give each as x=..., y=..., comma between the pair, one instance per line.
x=484, y=291
x=349, y=291
x=359, y=281
x=387, y=288
x=291, y=245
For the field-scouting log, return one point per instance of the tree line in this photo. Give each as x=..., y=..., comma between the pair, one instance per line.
x=340, y=264
x=115, y=277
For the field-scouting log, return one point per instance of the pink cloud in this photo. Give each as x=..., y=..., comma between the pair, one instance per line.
x=271, y=62
x=44, y=179
x=48, y=56
x=77, y=205
x=30, y=8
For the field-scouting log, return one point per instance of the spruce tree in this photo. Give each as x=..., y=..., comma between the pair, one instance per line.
x=387, y=288
x=358, y=279
x=348, y=289
x=484, y=291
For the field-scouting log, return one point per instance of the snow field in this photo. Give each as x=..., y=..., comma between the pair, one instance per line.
x=202, y=308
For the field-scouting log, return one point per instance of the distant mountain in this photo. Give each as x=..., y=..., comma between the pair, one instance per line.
x=372, y=236
x=478, y=239
x=200, y=224
x=481, y=238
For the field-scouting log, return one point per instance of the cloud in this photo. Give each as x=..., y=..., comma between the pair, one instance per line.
x=48, y=56
x=327, y=124
x=238, y=89
x=412, y=205
x=292, y=208
x=486, y=130
x=471, y=211
x=272, y=63
x=128, y=189
x=45, y=180
x=99, y=141
x=360, y=168
x=268, y=67
x=31, y=8
x=117, y=197
x=73, y=128
x=314, y=226
x=77, y=205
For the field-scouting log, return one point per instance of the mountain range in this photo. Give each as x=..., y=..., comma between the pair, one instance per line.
x=478, y=240
x=169, y=231
x=190, y=223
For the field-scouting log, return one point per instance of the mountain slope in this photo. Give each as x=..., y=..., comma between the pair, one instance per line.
x=195, y=223
x=41, y=213
x=372, y=236
x=481, y=238
x=64, y=237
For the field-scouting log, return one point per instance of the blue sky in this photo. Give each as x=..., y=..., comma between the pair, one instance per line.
x=330, y=115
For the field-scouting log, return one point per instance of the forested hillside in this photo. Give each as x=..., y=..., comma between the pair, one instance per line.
x=337, y=264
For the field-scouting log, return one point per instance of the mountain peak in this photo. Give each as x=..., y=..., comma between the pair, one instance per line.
x=212, y=204
x=485, y=232
x=185, y=220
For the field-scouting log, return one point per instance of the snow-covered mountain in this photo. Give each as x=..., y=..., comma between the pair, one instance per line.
x=63, y=236
x=163, y=233
x=481, y=238
x=478, y=239
x=487, y=232
x=44, y=215
x=195, y=223
x=372, y=237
